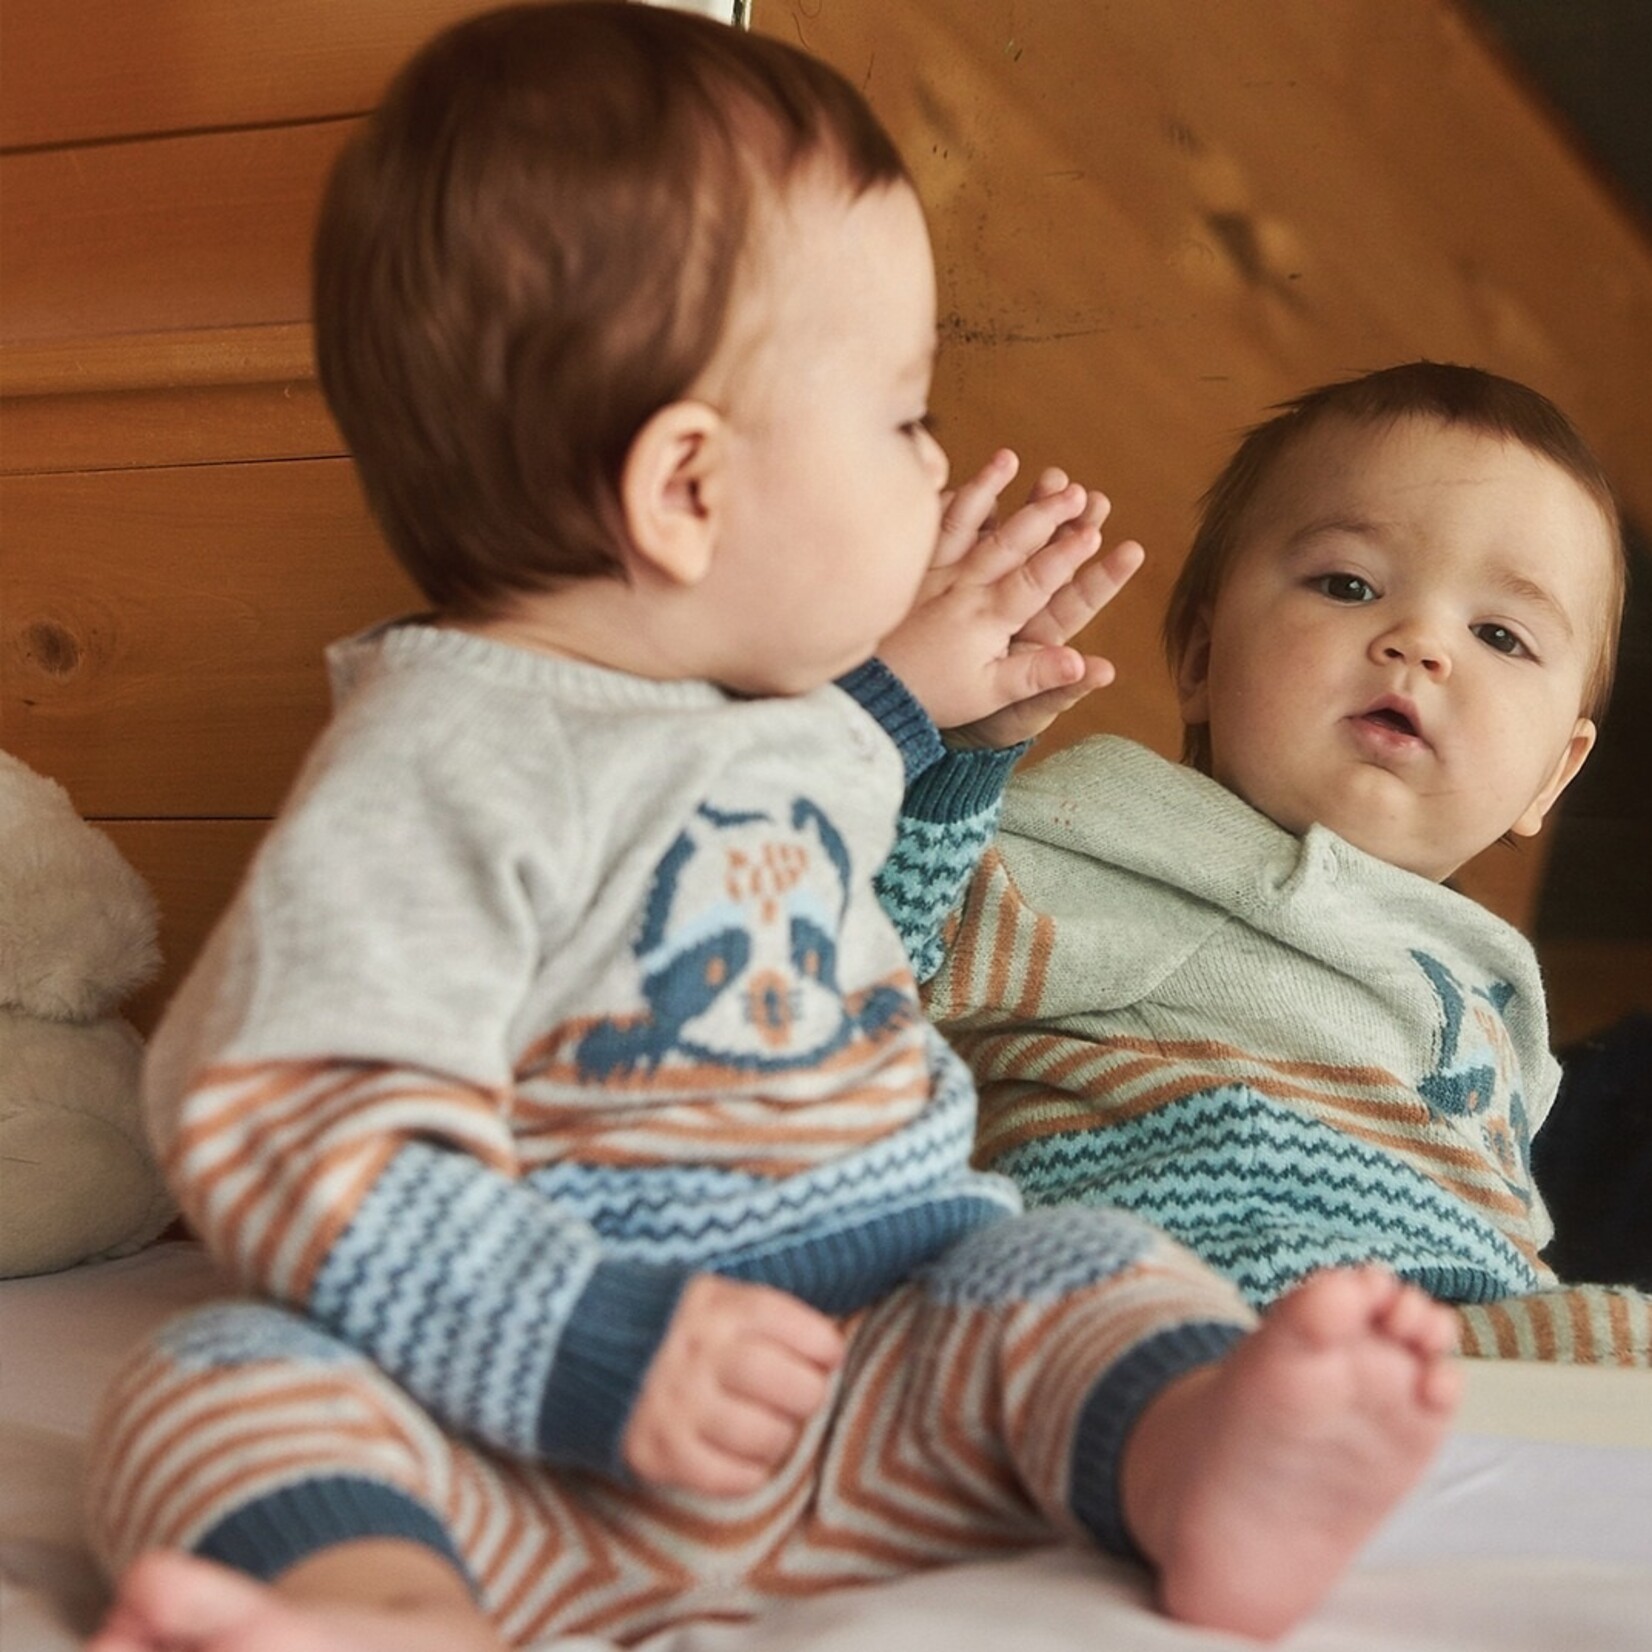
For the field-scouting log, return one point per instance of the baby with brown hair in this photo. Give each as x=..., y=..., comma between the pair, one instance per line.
x=1239, y=996
x=556, y=1078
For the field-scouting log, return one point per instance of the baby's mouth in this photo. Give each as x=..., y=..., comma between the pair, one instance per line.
x=1393, y=721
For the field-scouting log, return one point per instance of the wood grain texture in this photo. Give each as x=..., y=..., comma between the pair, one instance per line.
x=193, y=232
x=193, y=867
x=182, y=359
x=188, y=397
x=1153, y=219
x=161, y=638
x=123, y=430
x=78, y=70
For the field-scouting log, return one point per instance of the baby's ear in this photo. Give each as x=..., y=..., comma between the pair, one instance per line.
x=1193, y=673
x=1565, y=771
x=669, y=490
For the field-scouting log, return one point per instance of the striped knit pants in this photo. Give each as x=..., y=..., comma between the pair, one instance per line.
x=982, y=1409
x=1577, y=1324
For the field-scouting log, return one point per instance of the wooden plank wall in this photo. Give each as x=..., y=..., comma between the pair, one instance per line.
x=1152, y=218
x=1155, y=218
x=182, y=534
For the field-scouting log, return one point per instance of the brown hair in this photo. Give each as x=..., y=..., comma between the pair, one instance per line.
x=529, y=250
x=1450, y=394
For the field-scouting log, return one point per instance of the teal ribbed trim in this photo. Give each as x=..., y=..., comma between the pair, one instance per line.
x=608, y=1344
x=947, y=820
x=1110, y=1415
x=276, y=1531
x=963, y=786
x=853, y=1267
x=886, y=699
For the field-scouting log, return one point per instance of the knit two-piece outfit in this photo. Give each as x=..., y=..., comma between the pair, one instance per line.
x=551, y=988
x=1285, y=1052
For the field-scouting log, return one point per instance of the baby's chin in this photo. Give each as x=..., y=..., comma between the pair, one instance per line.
x=1377, y=812
x=1388, y=842
x=1385, y=838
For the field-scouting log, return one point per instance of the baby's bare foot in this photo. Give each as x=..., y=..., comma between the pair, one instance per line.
x=172, y=1602
x=1252, y=1483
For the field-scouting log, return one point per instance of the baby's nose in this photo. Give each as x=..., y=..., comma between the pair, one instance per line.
x=1414, y=645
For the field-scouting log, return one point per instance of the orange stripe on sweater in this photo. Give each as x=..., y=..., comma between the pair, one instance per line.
x=1617, y=1317
x=332, y=1221
x=270, y=1081
x=1006, y=1127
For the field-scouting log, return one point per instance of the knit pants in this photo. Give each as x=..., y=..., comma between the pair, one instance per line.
x=1577, y=1324
x=982, y=1408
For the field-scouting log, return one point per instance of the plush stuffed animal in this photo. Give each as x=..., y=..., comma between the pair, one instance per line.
x=77, y=937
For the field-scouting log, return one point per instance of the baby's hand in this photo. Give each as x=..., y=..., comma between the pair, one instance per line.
x=1067, y=612
x=741, y=1370
x=983, y=649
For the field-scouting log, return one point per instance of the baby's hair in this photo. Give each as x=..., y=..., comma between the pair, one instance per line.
x=1453, y=395
x=530, y=249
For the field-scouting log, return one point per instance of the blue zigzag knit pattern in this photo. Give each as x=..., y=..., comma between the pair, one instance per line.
x=948, y=817
x=551, y=987
x=532, y=1316
x=1266, y=1195
x=1286, y=1052
x=488, y=1364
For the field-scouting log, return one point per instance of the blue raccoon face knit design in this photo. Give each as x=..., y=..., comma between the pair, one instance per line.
x=1285, y=1052
x=552, y=989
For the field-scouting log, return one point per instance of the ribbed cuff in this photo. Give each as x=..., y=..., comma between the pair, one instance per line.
x=884, y=697
x=266, y=1537
x=1466, y=1283
x=604, y=1352
x=964, y=785
x=1110, y=1416
x=853, y=1267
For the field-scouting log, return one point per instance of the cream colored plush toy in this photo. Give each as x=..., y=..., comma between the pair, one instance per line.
x=77, y=937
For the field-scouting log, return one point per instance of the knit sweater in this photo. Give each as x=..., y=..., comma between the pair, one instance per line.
x=1286, y=1052
x=1298, y=1053
x=550, y=987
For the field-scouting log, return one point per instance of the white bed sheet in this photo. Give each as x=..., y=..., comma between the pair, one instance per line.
x=1533, y=1533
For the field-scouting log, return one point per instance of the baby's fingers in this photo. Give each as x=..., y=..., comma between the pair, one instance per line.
x=699, y=1465
x=1050, y=482
x=779, y=1351
x=708, y=1442
x=779, y=1378
x=750, y=1432
x=767, y=1391
x=1024, y=590
x=1026, y=675
x=1082, y=597
x=1040, y=526
x=969, y=510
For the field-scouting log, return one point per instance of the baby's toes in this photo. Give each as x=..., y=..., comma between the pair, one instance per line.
x=1335, y=1306
x=1422, y=1324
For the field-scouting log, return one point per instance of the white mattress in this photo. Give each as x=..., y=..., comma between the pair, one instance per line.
x=1533, y=1533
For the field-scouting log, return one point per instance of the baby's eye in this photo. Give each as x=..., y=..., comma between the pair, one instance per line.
x=1501, y=638
x=925, y=422
x=1344, y=588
